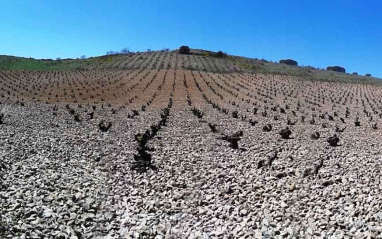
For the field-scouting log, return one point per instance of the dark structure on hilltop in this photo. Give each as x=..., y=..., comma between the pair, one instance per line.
x=336, y=68
x=184, y=50
x=289, y=62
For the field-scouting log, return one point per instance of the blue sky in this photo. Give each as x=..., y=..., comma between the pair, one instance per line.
x=317, y=33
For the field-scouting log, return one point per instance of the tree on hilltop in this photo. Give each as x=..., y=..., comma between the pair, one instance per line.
x=184, y=50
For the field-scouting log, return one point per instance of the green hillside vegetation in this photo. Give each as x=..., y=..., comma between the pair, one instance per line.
x=305, y=72
x=20, y=63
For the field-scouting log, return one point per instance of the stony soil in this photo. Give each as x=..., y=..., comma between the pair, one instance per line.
x=65, y=178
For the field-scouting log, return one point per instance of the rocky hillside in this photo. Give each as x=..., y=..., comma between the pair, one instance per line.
x=200, y=60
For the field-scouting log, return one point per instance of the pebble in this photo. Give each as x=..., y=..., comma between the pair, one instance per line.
x=53, y=185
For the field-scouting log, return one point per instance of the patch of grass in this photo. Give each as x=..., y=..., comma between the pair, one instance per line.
x=13, y=63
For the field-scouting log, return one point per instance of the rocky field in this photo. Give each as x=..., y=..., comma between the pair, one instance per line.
x=169, y=153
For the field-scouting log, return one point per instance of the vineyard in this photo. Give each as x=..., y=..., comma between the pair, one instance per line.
x=186, y=146
x=144, y=60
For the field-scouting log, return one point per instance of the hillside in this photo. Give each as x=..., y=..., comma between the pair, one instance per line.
x=200, y=60
x=122, y=147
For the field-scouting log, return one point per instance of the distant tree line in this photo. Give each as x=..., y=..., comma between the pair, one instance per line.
x=126, y=51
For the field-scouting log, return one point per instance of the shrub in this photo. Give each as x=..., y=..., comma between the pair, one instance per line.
x=336, y=68
x=289, y=62
x=221, y=54
x=355, y=73
x=368, y=75
x=184, y=50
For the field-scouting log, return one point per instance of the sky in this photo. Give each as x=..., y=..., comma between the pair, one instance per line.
x=316, y=33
